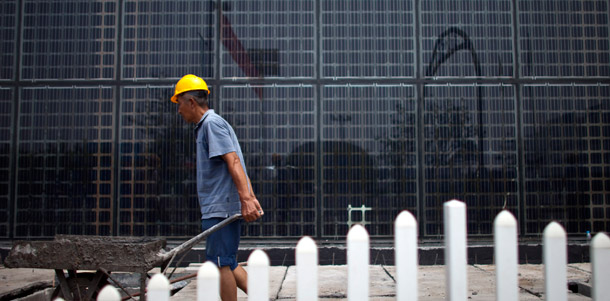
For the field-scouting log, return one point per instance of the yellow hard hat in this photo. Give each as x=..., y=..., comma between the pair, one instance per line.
x=187, y=83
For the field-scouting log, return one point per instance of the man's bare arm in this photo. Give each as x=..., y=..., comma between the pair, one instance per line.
x=250, y=207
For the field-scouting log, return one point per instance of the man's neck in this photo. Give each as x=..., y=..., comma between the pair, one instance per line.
x=200, y=112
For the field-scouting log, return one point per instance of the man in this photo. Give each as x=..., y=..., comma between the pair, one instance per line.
x=223, y=186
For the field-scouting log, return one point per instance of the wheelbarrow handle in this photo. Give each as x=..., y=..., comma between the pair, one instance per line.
x=201, y=236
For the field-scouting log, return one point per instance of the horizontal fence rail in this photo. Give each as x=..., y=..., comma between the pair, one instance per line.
x=505, y=239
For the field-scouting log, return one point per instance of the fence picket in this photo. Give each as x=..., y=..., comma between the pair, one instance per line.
x=358, y=258
x=208, y=282
x=109, y=293
x=600, y=261
x=158, y=288
x=307, y=269
x=258, y=276
x=454, y=215
x=506, y=259
x=555, y=261
x=405, y=254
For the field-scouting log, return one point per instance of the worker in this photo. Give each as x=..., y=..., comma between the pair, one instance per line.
x=223, y=186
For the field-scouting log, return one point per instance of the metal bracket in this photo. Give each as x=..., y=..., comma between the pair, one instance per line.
x=362, y=209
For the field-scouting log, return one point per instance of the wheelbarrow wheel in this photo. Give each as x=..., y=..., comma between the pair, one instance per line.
x=81, y=286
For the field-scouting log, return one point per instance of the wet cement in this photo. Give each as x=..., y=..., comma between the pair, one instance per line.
x=76, y=252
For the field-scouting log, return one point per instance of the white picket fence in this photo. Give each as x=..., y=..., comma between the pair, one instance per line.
x=506, y=260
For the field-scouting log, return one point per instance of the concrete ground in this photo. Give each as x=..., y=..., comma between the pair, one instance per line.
x=481, y=278
x=333, y=282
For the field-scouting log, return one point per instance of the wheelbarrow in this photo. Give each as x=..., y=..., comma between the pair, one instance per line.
x=90, y=260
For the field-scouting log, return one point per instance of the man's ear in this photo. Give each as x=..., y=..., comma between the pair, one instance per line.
x=192, y=101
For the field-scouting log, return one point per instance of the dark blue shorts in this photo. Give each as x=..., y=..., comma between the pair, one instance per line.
x=221, y=246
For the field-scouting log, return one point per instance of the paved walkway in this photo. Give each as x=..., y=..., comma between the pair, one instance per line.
x=333, y=282
x=481, y=279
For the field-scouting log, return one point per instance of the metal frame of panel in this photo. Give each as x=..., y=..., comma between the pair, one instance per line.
x=390, y=105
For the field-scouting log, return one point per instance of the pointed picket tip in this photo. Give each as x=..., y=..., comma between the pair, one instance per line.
x=600, y=241
x=358, y=233
x=109, y=293
x=505, y=219
x=554, y=229
x=306, y=245
x=208, y=270
x=258, y=258
x=158, y=282
x=405, y=220
x=454, y=204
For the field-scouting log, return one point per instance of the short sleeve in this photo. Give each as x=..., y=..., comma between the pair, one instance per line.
x=219, y=138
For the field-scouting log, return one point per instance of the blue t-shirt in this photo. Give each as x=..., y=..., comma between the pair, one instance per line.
x=216, y=190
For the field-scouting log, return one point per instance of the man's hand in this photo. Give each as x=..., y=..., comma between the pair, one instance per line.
x=251, y=209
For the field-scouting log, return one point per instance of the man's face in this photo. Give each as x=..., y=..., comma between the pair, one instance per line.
x=186, y=109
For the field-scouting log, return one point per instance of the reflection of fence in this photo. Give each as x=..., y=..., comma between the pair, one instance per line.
x=505, y=236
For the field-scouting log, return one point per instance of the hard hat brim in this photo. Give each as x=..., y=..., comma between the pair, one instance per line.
x=174, y=98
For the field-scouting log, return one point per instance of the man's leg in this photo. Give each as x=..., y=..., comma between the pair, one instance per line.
x=228, y=288
x=241, y=278
x=221, y=249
